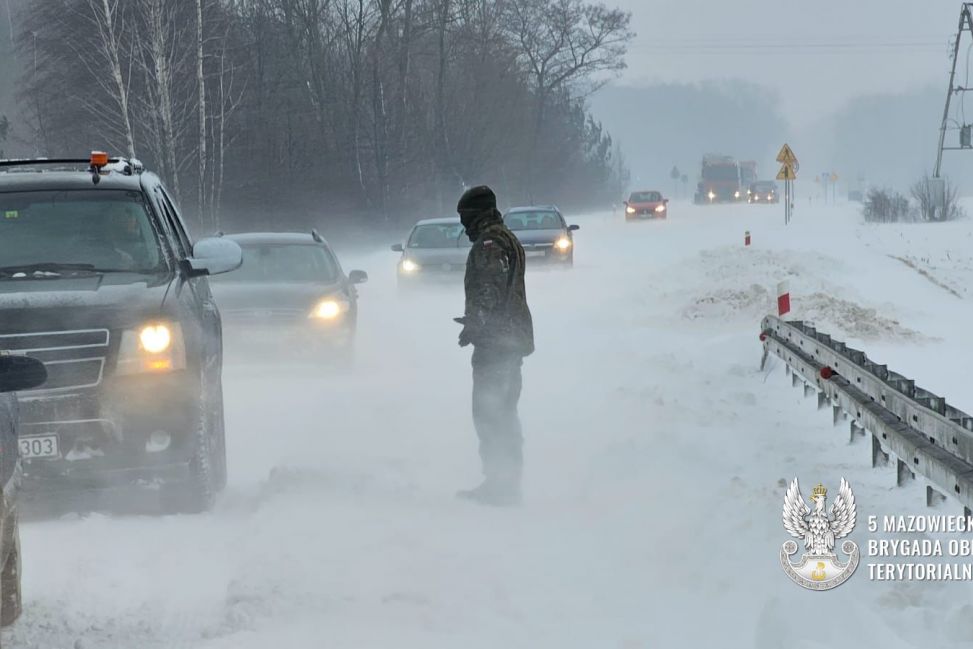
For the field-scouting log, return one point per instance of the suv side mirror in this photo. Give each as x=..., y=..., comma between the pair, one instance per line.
x=397, y=248
x=357, y=277
x=20, y=373
x=573, y=228
x=212, y=256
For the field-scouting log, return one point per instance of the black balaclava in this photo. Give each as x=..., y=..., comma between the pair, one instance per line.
x=476, y=206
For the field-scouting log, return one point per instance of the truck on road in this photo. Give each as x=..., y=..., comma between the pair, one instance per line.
x=719, y=181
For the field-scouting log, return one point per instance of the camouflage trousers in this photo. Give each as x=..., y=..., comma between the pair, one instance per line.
x=496, y=391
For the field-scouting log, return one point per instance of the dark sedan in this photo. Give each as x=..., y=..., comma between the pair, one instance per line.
x=543, y=233
x=290, y=293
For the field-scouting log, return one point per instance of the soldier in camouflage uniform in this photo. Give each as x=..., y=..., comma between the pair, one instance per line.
x=498, y=324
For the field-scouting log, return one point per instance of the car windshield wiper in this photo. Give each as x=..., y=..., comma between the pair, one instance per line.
x=57, y=269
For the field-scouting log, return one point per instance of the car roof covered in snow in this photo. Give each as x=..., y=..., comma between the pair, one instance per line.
x=445, y=220
x=278, y=238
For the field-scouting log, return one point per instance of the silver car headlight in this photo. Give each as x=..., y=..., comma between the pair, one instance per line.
x=408, y=266
x=330, y=308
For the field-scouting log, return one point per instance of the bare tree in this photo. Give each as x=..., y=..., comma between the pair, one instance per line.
x=565, y=41
x=112, y=24
x=936, y=199
x=163, y=56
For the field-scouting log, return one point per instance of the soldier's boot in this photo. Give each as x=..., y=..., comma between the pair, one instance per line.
x=489, y=493
x=500, y=489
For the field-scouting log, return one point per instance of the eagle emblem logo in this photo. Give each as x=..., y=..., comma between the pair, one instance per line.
x=819, y=568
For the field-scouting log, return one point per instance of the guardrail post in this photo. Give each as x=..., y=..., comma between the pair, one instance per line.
x=836, y=414
x=902, y=473
x=933, y=497
x=855, y=429
x=795, y=377
x=879, y=457
x=822, y=400
x=808, y=390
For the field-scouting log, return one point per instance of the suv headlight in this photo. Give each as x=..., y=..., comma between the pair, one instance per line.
x=330, y=308
x=630, y=210
x=660, y=208
x=153, y=347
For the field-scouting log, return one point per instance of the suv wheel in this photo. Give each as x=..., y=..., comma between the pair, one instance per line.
x=207, y=467
x=10, y=597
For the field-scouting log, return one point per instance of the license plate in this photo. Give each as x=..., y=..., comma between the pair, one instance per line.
x=40, y=446
x=535, y=253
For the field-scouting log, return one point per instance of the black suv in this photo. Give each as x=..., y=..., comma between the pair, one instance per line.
x=100, y=280
x=16, y=373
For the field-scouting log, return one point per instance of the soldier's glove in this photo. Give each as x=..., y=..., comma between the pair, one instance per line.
x=465, y=338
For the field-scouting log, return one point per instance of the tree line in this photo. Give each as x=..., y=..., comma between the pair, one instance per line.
x=288, y=109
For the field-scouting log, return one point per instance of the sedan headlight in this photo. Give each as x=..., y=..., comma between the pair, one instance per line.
x=736, y=194
x=563, y=244
x=630, y=210
x=770, y=197
x=329, y=308
x=153, y=347
x=711, y=195
x=660, y=208
x=408, y=266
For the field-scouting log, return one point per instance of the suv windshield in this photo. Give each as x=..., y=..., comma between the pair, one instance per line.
x=438, y=235
x=645, y=197
x=108, y=230
x=274, y=262
x=541, y=220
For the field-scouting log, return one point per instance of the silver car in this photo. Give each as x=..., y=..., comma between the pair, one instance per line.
x=434, y=250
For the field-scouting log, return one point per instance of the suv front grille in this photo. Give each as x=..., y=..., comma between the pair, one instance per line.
x=74, y=359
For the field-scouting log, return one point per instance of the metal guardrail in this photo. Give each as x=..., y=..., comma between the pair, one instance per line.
x=926, y=435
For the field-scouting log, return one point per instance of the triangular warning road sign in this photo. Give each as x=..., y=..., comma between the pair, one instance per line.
x=786, y=173
x=786, y=156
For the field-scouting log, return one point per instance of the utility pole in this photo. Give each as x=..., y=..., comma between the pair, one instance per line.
x=965, y=25
x=938, y=184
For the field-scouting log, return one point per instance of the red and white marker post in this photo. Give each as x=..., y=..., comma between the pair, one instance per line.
x=746, y=238
x=783, y=298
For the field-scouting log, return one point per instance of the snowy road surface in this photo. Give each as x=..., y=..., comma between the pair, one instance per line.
x=655, y=456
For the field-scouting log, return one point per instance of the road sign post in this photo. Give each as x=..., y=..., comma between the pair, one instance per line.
x=788, y=173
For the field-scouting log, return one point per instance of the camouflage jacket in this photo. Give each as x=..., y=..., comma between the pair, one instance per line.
x=497, y=317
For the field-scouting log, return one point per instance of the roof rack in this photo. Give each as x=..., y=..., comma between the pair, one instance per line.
x=126, y=166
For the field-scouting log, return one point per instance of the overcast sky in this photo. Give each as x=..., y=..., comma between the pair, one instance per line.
x=817, y=54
